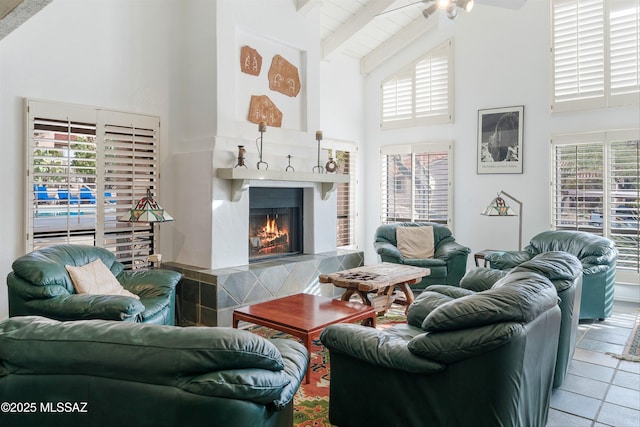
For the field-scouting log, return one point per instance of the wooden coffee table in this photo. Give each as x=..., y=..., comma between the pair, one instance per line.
x=304, y=316
x=375, y=284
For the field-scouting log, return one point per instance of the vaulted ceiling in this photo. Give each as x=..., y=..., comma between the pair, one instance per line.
x=373, y=30
x=14, y=13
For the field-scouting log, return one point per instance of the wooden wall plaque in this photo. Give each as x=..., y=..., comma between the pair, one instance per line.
x=262, y=109
x=284, y=77
x=250, y=61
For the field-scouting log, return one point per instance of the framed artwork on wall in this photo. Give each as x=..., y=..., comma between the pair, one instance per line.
x=500, y=140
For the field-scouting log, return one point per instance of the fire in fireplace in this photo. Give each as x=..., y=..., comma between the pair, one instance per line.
x=275, y=222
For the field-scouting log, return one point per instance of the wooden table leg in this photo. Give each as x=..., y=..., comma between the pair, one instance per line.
x=307, y=343
x=408, y=293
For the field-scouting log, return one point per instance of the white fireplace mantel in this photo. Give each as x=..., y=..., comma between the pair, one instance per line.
x=241, y=179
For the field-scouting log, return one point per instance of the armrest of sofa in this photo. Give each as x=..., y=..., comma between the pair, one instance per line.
x=388, y=252
x=379, y=348
x=431, y=298
x=480, y=278
x=86, y=306
x=450, y=249
x=508, y=259
x=158, y=278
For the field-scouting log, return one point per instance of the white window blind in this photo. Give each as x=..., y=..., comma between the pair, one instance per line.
x=421, y=92
x=346, y=206
x=595, y=55
x=415, y=183
x=596, y=188
x=86, y=167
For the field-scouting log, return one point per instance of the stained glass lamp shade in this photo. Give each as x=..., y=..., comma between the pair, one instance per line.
x=498, y=207
x=147, y=210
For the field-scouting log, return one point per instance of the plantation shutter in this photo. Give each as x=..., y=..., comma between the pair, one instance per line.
x=596, y=188
x=578, y=186
x=397, y=98
x=86, y=167
x=624, y=42
x=432, y=85
x=420, y=93
x=578, y=53
x=346, y=209
x=130, y=168
x=624, y=199
x=415, y=183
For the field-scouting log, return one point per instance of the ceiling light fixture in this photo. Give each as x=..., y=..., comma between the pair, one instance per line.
x=452, y=12
x=467, y=5
x=429, y=11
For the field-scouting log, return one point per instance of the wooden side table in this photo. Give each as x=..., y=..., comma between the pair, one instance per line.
x=482, y=255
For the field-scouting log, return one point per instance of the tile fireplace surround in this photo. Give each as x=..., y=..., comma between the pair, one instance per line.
x=208, y=296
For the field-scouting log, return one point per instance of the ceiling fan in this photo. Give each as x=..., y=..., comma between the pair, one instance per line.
x=451, y=6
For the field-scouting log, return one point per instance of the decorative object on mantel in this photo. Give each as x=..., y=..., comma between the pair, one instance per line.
x=262, y=109
x=262, y=128
x=241, y=152
x=318, y=168
x=498, y=207
x=289, y=167
x=284, y=77
x=250, y=61
x=331, y=165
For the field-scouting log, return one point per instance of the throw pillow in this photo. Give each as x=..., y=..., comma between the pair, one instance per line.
x=415, y=242
x=96, y=279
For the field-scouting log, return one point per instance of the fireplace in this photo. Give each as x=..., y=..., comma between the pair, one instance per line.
x=275, y=222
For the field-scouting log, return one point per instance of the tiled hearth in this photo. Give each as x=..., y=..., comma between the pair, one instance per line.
x=209, y=296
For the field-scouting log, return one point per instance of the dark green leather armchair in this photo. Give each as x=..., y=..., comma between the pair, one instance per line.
x=464, y=359
x=448, y=264
x=111, y=373
x=565, y=272
x=597, y=254
x=40, y=285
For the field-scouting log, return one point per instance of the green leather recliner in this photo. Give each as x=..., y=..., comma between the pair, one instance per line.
x=565, y=272
x=448, y=264
x=40, y=285
x=463, y=359
x=110, y=373
x=597, y=254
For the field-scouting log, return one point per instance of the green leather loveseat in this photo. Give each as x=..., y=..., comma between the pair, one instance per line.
x=597, y=254
x=448, y=264
x=109, y=373
x=464, y=359
x=40, y=285
x=565, y=272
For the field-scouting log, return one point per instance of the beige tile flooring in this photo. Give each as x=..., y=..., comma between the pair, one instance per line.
x=600, y=390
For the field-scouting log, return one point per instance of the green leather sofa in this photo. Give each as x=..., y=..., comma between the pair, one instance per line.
x=565, y=272
x=40, y=285
x=597, y=254
x=448, y=264
x=109, y=373
x=463, y=359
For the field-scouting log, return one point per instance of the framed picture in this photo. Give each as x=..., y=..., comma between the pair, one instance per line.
x=500, y=140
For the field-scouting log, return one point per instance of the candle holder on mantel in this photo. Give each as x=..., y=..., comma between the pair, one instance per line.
x=262, y=128
x=318, y=168
x=289, y=167
x=241, y=152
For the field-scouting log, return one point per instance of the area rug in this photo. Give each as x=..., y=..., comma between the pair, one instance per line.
x=311, y=402
x=632, y=348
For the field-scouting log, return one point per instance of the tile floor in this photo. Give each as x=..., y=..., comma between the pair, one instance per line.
x=600, y=390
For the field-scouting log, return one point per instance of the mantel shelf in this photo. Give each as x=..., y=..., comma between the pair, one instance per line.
x=241, y=179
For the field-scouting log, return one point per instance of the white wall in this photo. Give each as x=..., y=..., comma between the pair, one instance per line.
x=501, y=59
x=108, y=53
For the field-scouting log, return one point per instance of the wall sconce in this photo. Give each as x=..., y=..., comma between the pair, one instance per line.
x=498, y=207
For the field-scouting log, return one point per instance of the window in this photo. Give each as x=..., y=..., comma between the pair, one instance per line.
x=421, y=93
x=415, y=183
x=345, y=157
x=596, y=188
x=86, y=168
x=595, y=53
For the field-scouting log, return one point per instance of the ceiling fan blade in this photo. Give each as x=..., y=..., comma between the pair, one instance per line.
x=508, y=4
x=402, y=7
